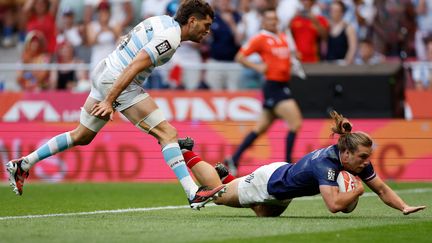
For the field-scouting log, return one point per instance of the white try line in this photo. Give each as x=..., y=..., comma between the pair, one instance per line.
x=129, y=210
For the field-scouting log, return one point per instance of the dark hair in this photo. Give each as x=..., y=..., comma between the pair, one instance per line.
x=341, y=4
x=198, y=8
x=348, y=140
x=104, y=5
x=427, y=39
x=366, y=40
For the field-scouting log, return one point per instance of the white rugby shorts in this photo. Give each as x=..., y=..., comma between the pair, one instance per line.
x=252, y=189
x=103, y=80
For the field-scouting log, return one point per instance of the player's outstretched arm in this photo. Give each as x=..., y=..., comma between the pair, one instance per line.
x=389, y=197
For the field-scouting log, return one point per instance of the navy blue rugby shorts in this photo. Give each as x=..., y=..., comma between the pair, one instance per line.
x=275, y=92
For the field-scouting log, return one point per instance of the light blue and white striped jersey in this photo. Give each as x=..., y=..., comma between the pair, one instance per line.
x=159, y=36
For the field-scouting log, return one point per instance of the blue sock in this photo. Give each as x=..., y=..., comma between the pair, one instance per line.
x=54, y=145
x=174, y=158
x=290, y=139
x=247, y=142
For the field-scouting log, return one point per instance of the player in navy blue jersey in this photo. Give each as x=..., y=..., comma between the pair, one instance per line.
x=269, y=189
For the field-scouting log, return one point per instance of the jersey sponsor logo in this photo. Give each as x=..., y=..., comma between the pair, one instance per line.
x=176, y=163
x=163, y=47
x=331, y=175
x=249, y=178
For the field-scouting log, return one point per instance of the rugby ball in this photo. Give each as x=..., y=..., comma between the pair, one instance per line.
x=346, y=182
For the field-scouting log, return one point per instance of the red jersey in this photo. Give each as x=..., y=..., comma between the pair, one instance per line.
x=274, y=51
x=47, y=25
x=306, y=37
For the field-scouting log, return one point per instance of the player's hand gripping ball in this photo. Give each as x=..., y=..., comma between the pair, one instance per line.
x=347, y=182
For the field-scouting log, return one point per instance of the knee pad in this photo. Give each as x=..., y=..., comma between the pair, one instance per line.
x=91, y=122
x=152, y=120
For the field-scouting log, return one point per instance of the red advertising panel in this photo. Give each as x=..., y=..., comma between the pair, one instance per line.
x=217, y=122
x=419, y=102
x=176, y=105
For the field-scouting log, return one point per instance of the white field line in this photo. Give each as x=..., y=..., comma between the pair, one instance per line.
x=128, y=210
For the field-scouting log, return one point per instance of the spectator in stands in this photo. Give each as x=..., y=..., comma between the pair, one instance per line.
x=367, y=54
x=286, y=10
x=172, y=7
x=40, y=15
x=349, y=14
x=68, y=31
x=73, y=32
x=250, y=23
x=424, y=26
x=359, y=13
x=121, y=12
x=34, y=52
x=224, y=43
x=249, y=26
x=342, y=39
x=394, y=27
x=102, y=36
x=365, y=12
x=324, y=7
x=66, y=79
x=9, y=21
x=151, y=8
x=422, y=71
x=308, y=31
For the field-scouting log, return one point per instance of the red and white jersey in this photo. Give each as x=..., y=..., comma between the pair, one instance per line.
x=274, y=51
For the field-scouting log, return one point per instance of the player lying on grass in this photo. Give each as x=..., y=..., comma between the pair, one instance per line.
x=269, y=189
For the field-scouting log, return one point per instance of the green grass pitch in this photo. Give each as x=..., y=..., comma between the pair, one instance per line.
x=144, y=216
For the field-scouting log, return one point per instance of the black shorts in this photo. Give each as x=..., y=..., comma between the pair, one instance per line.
x=274, y=92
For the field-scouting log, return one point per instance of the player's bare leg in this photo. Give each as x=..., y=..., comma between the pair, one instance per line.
x=148, y=117
x=230, y=197
x=204, y=172
x=289, y=111
x=265, y=120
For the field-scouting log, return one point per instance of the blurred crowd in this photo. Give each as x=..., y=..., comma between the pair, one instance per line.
x=346, y=32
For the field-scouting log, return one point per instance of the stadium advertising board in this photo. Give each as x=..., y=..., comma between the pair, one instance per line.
x=217, y=121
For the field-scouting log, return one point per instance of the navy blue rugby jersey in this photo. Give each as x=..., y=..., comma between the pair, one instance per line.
x=303, y=178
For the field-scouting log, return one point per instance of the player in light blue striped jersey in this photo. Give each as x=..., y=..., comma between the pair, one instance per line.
x=117, y=85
